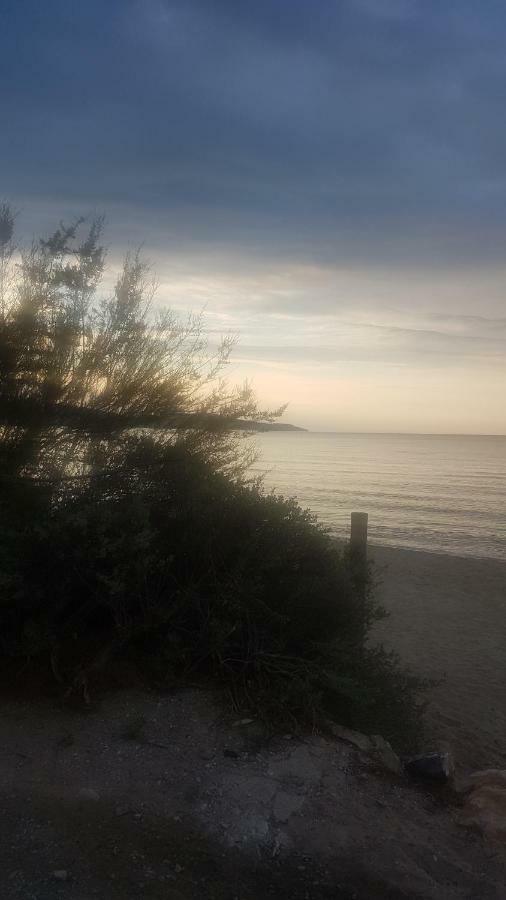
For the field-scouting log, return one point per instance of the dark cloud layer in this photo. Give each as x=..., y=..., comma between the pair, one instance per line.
x=366, y=128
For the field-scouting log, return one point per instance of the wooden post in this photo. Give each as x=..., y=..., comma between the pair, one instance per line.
x=358, y=537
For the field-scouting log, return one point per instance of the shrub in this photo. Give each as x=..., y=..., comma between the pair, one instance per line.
x=131, y=527
x=194, y=576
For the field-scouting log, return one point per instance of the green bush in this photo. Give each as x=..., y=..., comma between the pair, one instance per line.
x=128, y=525
x=194, y=576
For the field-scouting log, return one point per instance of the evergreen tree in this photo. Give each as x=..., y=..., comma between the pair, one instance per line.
x=79, y=373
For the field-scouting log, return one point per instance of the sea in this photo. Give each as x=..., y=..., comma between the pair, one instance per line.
x=438, y=493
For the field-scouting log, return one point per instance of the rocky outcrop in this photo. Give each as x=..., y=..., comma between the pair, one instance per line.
x=375, y=746
x=485, y=803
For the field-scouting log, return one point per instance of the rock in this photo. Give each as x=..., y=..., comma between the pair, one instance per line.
x=384, y=754
x=61, y=874
x=375, y=745
x=485, y=803
x=486, y=777
x=431, y=766
x=361, y=741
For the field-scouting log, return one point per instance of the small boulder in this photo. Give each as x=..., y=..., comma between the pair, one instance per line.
x=360, y=741
x=375, y=745
x=385, y=755
x=436, y=766
x=485, y=803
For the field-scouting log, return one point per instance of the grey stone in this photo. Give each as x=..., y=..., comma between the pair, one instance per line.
x=384, y=754
x=430, y=766
x=361, y=741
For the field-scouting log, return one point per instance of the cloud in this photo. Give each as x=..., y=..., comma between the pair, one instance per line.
x=328, y=178
x=413, y=348
x=335, y=128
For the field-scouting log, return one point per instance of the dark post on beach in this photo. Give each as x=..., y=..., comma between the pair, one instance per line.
x=358, y=537
x=358, y=555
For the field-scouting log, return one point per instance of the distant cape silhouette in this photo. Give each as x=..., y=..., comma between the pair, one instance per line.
x=267, y=426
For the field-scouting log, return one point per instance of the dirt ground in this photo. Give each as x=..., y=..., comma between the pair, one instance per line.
x=168, y=797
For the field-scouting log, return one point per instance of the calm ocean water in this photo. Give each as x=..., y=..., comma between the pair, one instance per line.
x=445, y=494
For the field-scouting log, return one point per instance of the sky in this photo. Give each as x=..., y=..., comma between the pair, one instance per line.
x=324, y=178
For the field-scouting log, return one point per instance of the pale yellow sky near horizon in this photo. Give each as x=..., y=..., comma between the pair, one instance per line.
x=356, y=349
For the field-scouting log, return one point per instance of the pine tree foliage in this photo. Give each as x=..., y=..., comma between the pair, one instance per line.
x=79, y=369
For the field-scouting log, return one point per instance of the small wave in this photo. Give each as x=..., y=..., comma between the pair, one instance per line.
x=425, y=493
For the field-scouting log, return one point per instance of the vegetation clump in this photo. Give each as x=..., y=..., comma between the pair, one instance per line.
x=131, y=526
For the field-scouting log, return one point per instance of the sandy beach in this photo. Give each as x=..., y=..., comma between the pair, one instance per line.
x=448, y=620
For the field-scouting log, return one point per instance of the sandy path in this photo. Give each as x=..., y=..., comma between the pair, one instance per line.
x=448, y=618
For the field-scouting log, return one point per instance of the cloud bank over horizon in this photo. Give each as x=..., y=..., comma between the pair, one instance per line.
x=326, y=179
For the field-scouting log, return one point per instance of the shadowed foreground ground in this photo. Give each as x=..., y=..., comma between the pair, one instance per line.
x=167, y=797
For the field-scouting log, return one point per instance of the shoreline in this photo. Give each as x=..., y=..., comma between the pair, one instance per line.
x=396, y=548
x=380, y=550
x=447, y=620
x=373, y=546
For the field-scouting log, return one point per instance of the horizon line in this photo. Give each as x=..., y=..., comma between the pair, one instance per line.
x=394, y=433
